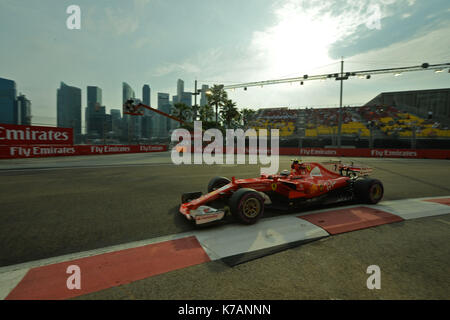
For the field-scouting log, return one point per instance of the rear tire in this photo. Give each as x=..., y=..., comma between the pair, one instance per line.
x=247, y=205
x=217, y=183
x=368, y=191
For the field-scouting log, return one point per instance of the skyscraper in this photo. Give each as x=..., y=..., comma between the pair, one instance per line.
x=163, y=99
x=146, y=95
x=8, y=105
x=186, y=98
x=127, y=92
x=68, y=109
x=167, y=108
x=203, y=100
x=161, y=121
x=94, y=116
x=107, y=125
x=98, y=122
x=132, y=127
x=146, y=125
x=24, y=109
x=116, y=122
x=180, y=90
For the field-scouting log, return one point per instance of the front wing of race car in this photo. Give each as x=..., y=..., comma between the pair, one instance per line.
x=194, y=205
x=203, y=214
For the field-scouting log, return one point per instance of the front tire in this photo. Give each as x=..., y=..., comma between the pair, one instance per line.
x=368, y=191
x=247, y=205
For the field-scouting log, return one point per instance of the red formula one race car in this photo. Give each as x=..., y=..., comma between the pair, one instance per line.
x=306, y=183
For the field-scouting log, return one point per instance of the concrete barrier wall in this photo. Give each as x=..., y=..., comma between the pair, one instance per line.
x=361, y=152
x=373, y=153
x=37, y=151
x=27, y=151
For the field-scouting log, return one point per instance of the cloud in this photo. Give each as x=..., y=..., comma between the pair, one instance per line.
x=141, y=4
x=298, y=42
x=305, y=30
x=396, y=26
x=431, y=47
x=120, y=21
x=264, y=41
x=141, y=42
x=207, y=64
x=169, y=68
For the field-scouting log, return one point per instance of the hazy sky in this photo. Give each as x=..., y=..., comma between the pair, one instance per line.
x=156, y=42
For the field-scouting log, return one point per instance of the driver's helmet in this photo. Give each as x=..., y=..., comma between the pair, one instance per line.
x=296, y=166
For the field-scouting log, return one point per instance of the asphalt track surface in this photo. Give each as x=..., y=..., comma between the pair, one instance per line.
x=55, y=206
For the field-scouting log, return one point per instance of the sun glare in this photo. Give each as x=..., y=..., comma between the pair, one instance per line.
x=301, y=38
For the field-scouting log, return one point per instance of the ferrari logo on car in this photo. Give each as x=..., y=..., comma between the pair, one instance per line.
x=274, y=186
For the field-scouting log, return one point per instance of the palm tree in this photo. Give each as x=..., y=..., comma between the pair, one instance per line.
x=206, y=113
x=229, y=112
x=181, y=111
x=247, y=115
x=217, y=97
x=195, y=111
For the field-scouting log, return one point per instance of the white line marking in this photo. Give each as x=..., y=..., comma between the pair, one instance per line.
x=443, y=221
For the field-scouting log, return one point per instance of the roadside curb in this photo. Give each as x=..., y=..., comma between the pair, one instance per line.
x=232, y=244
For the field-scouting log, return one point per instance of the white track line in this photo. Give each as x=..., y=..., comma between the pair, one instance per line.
x=443, y=221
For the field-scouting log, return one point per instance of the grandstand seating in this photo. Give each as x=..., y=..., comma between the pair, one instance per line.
x=392, y=122
x=286, y=128
x=356, y=121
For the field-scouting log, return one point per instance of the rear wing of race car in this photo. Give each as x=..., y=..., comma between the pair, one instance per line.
x=348, y=170
x=358, y=171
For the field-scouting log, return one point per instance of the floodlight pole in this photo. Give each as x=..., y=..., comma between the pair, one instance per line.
x=195, y=94
x=195, y=100
x=340, y=104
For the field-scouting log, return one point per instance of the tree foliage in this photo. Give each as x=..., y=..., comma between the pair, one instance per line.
x=181, y=111
x=247, y=116
x=217, y=98
x=230, y=113
x=206, y=113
